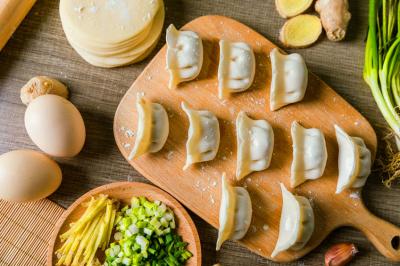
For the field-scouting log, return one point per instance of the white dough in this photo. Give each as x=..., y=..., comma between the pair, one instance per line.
x=365, y=163
x=354, y=161
x=237, y=67
x=129, y=50
x=297, y=223
x=255, y=142
x=348, y=160
x=309, y=154
x=153, y=127
x=113, y=61
x=184, y=55
x=203, y=136
x=235, y=213
x=289, y=79
x=108, y=21
x=112, y=33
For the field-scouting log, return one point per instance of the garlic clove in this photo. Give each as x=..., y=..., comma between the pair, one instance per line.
x=42, y=85
x=340, y=254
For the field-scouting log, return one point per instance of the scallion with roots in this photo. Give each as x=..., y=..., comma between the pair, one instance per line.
x=382, y=67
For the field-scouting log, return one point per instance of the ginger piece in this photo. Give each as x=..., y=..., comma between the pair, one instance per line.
x=300, y=31
x=335, y=17
x=42, y=85
x=291, y=8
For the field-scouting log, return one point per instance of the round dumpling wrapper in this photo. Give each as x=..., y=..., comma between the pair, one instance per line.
x=108, y=21
x=70, y=32
x=134, y=51
x=109, y=62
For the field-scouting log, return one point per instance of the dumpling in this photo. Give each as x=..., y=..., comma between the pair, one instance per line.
x=365, y=163
x=348, y=161
x=354, y=161
x=184, y=55
x=297, y=223
x=289, y=79
x=153, y=127
x=204, y=137
x=235, y=213
x=255, y=141
x=309, y=154
x=237, y=67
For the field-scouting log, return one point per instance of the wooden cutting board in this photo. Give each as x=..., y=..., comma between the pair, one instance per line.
x=198, y=188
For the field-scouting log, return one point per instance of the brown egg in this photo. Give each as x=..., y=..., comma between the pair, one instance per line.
x=55, y=126
x=27, y=175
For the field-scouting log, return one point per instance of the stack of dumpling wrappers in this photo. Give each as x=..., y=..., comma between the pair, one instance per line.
x=111, y=33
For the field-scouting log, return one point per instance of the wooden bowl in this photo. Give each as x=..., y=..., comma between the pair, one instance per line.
x=124, y=191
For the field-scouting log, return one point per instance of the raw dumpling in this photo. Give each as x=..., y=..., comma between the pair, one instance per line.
x=153, y=127
x=348, y=161
x=237, y=67
x=297, y=223
x=309, y=154
x=184, y=55
x=255, y=140
x=235, y=213
x=365, y=163
x=203, y=140
x=289, y=79
x=354, y=161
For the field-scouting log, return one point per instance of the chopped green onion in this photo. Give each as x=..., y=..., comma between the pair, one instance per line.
x=145, y=236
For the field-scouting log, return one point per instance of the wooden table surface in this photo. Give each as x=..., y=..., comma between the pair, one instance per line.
x=39, y=47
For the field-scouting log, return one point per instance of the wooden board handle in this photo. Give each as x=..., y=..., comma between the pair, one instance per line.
x=382, y=234
x=12, y=12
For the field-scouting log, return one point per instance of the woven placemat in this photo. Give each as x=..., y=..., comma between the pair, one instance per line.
x=25, y=231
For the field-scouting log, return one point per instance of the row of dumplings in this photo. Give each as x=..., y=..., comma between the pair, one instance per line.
x=237, y=67
x=310, y=157
x=296, y=223
x=297, y=217
x=255, y=137
x=255, y=142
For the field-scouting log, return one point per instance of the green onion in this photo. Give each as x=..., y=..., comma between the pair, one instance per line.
x=382, y=58
x=145, y=236
x=382, y=73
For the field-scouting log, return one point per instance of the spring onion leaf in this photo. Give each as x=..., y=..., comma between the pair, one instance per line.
x=382, y=58
x=145, y=236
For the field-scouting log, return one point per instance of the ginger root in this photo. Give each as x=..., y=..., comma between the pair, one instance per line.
x=291, y=8
x=335, y=17
x=301, y=31
x=42, y=85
